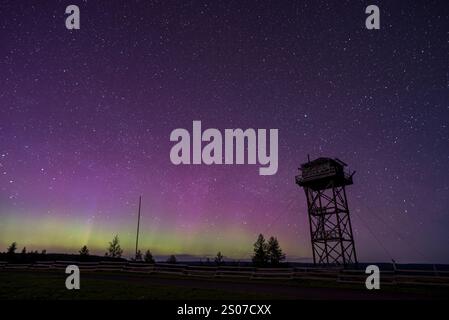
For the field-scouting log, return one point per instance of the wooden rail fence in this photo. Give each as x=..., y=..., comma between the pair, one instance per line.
x=399, y=276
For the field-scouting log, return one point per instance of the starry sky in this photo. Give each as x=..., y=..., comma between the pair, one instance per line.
x=86, y=117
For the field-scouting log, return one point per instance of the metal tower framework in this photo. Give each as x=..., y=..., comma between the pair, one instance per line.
x=330, y=226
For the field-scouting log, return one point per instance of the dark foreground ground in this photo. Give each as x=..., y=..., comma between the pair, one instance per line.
x=108, y=285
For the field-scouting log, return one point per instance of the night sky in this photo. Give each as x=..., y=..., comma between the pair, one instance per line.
x=86, y=117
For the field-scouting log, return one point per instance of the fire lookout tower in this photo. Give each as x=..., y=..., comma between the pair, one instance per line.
x=324, y=181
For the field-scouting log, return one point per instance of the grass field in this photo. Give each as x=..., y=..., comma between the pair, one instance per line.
x=109, y=285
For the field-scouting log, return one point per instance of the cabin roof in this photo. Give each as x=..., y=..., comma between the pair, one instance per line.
x=322, y=160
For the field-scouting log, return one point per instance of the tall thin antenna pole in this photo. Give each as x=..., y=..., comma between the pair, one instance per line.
x=138, y=225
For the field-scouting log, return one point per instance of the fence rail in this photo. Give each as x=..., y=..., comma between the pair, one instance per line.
x=396, y=277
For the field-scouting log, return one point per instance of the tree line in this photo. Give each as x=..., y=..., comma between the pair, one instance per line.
x=11, y=250
x=265, y=253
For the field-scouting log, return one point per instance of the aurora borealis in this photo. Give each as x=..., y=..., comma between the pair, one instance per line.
x=86, y=117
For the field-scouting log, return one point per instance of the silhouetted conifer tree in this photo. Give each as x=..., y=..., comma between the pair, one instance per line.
x=149, y=257
x=138, y=256
x=260, y=257
x=274, y=251
x=171, y=259
x=219, y=258
x=84, y=251
x=12, y=248
x=114, y=250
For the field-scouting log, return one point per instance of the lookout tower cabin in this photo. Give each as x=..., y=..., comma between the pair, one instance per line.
x=324, y=181
x=323, y=173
